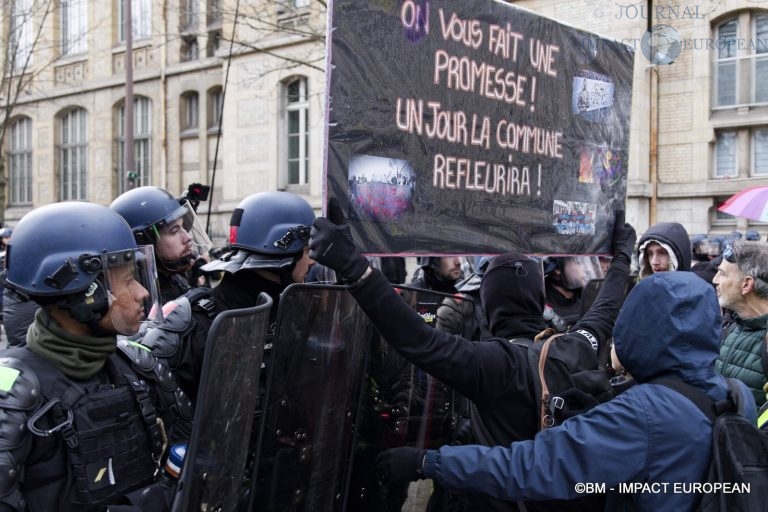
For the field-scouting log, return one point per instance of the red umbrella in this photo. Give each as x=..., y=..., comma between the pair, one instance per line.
x=751, y=203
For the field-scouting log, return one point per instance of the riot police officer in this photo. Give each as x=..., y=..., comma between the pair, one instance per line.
x=170, y=224
x=268, y=251
x=85, y=417
x=269, y=233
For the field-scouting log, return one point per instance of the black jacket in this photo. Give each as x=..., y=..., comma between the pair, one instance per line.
x=494, y=374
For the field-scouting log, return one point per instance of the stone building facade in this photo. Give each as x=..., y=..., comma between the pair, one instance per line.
x=699, y=125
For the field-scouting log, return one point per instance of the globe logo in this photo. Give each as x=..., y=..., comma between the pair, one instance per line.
x=661, y=44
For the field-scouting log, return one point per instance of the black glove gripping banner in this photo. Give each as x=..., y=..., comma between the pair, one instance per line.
x=474, y=127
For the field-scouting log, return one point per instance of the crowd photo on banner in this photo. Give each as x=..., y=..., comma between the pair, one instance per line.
x=468, y=323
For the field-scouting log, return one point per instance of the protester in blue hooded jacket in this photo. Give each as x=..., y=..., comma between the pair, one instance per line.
x=669, y=325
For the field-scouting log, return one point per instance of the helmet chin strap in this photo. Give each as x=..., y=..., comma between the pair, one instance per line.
x=286, y=274
x=177, y=266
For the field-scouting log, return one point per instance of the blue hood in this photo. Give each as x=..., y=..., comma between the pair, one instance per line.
x=670, y=324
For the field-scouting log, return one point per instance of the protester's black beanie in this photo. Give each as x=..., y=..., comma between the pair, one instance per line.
x=512, y=293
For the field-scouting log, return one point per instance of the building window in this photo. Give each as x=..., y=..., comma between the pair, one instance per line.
x=20, y=161
x=741, y=60
x=73, y=155
x=296, y=131
x=292, y=13
x=726, y=151
x=142, y=134
x=20, y=35
x=189, y=48
x=74, y=26
x=213, y=13
x=188, y=16
x=190, y=112
x=761, y=59
x=141, y=19
x=214, y=43
x=721, y=218
x=760, y=151
x=215, y=106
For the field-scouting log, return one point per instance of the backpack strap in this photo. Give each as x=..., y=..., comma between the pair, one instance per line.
x=705, y=404
x=709, y=407
x=547, y=418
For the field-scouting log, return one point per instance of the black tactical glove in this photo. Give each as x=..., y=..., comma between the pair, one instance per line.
x=453, y=312
x=332, y=246
x=624, y=237
x=400, y=465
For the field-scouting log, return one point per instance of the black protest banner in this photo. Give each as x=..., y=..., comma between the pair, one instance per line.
x=473, y=126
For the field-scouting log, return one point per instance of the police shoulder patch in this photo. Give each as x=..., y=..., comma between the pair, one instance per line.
x=8, y=377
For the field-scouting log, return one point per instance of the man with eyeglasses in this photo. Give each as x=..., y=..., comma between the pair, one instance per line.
x=741, y=283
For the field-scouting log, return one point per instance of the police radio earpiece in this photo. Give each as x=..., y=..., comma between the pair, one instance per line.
x=89, y=305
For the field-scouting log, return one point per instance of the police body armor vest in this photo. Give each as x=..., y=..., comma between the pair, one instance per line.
x=104, y=438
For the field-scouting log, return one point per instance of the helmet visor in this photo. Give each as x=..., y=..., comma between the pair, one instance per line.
x=577, y=271
x=201, y=242
x=133, y=292
x=710, y=248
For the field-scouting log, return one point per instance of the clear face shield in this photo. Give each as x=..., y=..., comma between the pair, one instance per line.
x=577, y=271
x=200, y=239
x=709, y=248
x=132, y=288
x=180, y=239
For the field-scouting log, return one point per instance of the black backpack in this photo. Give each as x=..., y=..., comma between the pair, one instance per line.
x=567, y=377
x=739, y=452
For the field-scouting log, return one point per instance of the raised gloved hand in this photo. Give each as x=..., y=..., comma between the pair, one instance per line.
x=624, y=237
x=331, y=245
x=400, y=465
x=453, y=312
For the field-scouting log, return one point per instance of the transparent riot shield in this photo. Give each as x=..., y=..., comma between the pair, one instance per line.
x=402, y=406
x=313, y=393
x=214, y=466
x=428, y=411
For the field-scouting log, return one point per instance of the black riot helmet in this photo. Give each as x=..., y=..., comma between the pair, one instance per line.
x=268, y=230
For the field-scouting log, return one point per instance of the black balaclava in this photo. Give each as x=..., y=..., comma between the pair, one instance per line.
x=512, y=293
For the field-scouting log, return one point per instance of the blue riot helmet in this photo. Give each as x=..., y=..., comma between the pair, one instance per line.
x=706, y=249
x=83, y=258
x=150, y=211
x=726, y=241
x=752, y=235
x=267, y=230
